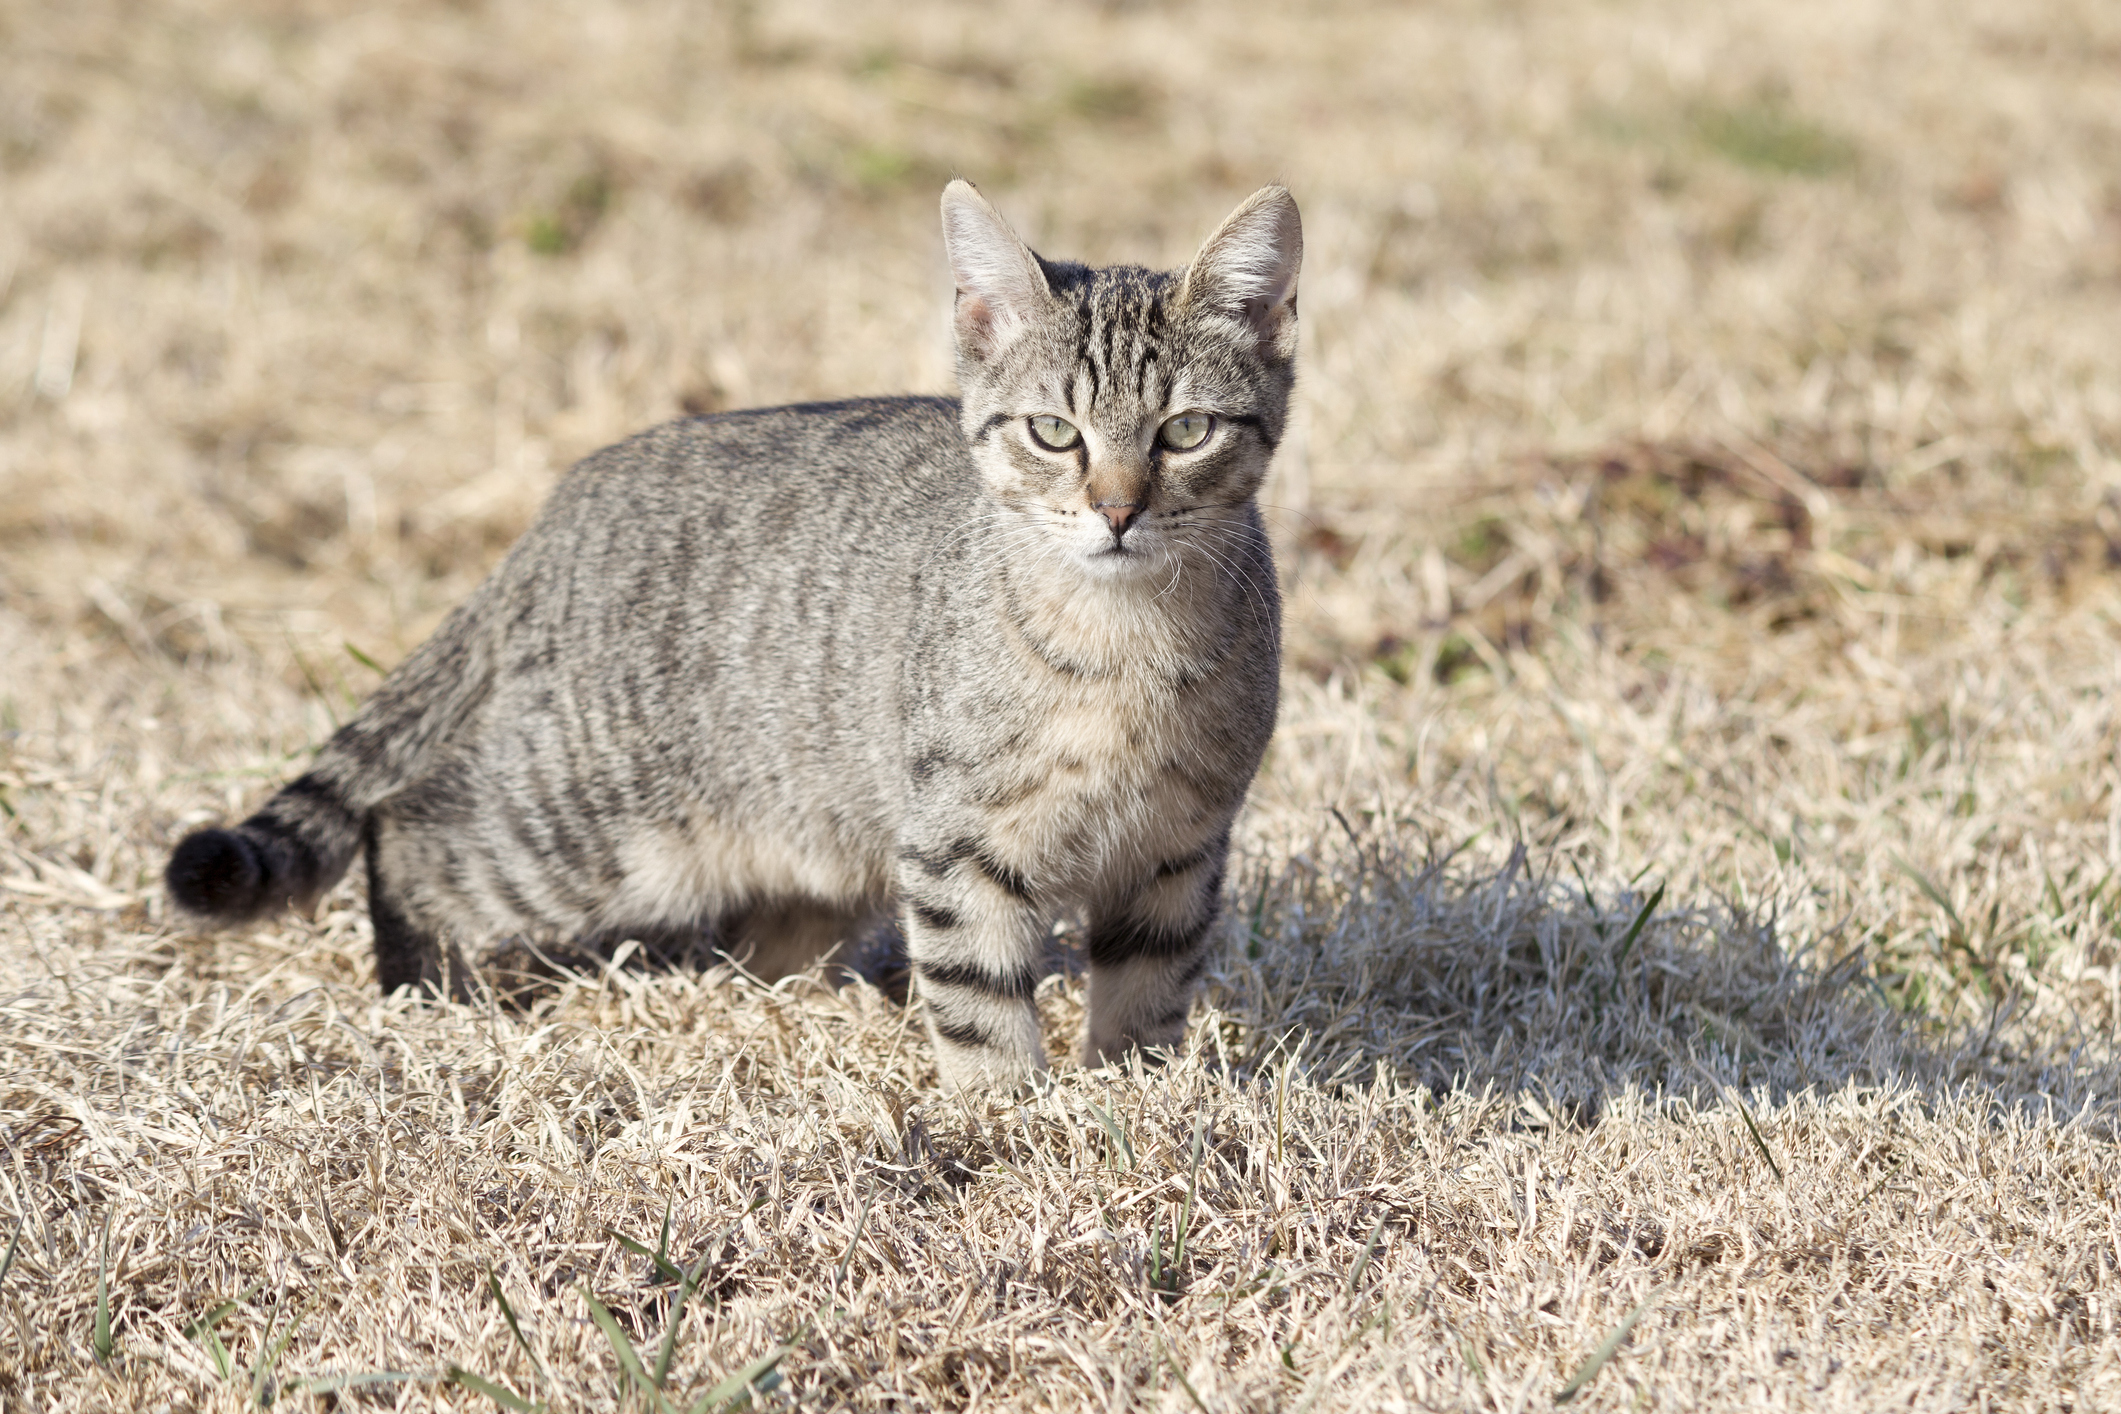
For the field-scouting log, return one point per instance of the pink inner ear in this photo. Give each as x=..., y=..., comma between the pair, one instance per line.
x=975, y=321
x=1272, y=323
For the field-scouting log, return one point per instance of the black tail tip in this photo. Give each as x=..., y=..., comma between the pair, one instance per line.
x=217, y=874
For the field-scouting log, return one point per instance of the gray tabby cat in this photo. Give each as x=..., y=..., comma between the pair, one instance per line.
x=775, y=672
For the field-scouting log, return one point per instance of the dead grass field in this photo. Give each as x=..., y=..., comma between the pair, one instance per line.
x=1677, y=918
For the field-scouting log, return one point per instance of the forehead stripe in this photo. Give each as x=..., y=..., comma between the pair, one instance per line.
x=1086, y=355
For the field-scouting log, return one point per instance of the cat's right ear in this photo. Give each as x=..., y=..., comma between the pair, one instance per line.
x=1001, y=290
x=1248, y=269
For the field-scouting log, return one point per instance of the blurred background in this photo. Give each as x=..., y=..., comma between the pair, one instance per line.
x=1709, y=437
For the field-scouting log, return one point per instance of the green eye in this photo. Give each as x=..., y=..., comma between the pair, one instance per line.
x=1186, y=431
x=1055, y=434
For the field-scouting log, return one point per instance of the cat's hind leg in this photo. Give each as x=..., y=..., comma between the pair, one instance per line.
x=1147, y=954
x=408, y=953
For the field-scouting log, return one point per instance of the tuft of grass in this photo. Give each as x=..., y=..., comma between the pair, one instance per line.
x=880, y=168
x=1167, y=1274
x=1767, y=136
x=658, y=1257
x=1119, y=1153
x=563, y=228
x=266, y=1386
x=1111, y=100
x=205, y=1330
x=732, y=1391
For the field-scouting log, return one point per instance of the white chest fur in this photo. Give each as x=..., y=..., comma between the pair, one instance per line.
x=1120, y=768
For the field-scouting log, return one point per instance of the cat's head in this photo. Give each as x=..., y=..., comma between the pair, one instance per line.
x=1125, y=411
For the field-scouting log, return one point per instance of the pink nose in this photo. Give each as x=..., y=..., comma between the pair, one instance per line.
x=1118, y=514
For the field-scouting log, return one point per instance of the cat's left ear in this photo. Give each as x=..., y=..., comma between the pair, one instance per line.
x=1248, y=268
x=1001, y=290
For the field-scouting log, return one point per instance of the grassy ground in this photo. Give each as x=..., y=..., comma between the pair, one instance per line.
x=1673, y=958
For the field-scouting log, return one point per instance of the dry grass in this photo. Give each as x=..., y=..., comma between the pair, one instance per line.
x=1680, y=904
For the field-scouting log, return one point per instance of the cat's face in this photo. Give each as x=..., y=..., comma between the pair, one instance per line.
x=1122, y=417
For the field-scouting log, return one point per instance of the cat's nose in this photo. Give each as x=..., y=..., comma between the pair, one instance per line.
x=1118, y=514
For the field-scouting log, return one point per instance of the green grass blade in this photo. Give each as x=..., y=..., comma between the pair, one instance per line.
x=664, y=1270
x=104, y=1345
x=264, y=1390
x=662, y=1245
x=1872, y=1191
x=204, y=1326
x=499, y=1394
x=257, y=1368
x=738, y=1385
x=1259, y=911
x=315, y=685
x=1185, y=1216
x=1642, y=920
x=13, y=1244
x=1758, y=1143
x=1369, y=1251
x=224, y=1363
x=1112, y=1128
x=691, y=1283
x=629, y=1358
x=203, y=1329
x=364, y=660
x=669, y=1349
x=1588, y=1370
x=861, y=1221
x=1180, y=1375
x=1932, y=893
x=216, y=1315
x=677, y=1312
x=508, y=1314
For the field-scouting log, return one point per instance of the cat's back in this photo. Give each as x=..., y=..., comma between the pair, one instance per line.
x=754, y=525
x=758, y=477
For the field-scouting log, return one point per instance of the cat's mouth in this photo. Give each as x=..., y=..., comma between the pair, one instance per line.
x=1123, y=560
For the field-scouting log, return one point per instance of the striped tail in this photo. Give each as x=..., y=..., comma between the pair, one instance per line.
x=285, y=856
x=293, y=850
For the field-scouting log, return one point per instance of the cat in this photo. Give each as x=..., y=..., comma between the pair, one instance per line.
x=981, y=661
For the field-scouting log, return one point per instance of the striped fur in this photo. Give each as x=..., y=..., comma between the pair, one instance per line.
x=774, y=674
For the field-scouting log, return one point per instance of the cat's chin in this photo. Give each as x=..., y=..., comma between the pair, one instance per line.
x=1111, y=563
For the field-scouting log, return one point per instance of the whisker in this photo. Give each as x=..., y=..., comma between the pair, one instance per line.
x=1244, y=578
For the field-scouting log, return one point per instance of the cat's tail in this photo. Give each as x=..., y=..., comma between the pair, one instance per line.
x=302, y=841
x=286, y=855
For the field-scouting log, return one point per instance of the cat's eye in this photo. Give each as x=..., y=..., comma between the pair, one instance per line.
x=1055, y=434
x=1186, y=431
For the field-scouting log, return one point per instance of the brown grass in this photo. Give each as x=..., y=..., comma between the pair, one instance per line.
x=1676, y=919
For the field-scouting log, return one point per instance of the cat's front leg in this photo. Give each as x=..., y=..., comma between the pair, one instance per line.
x=976, y=940
x=1147, y=954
